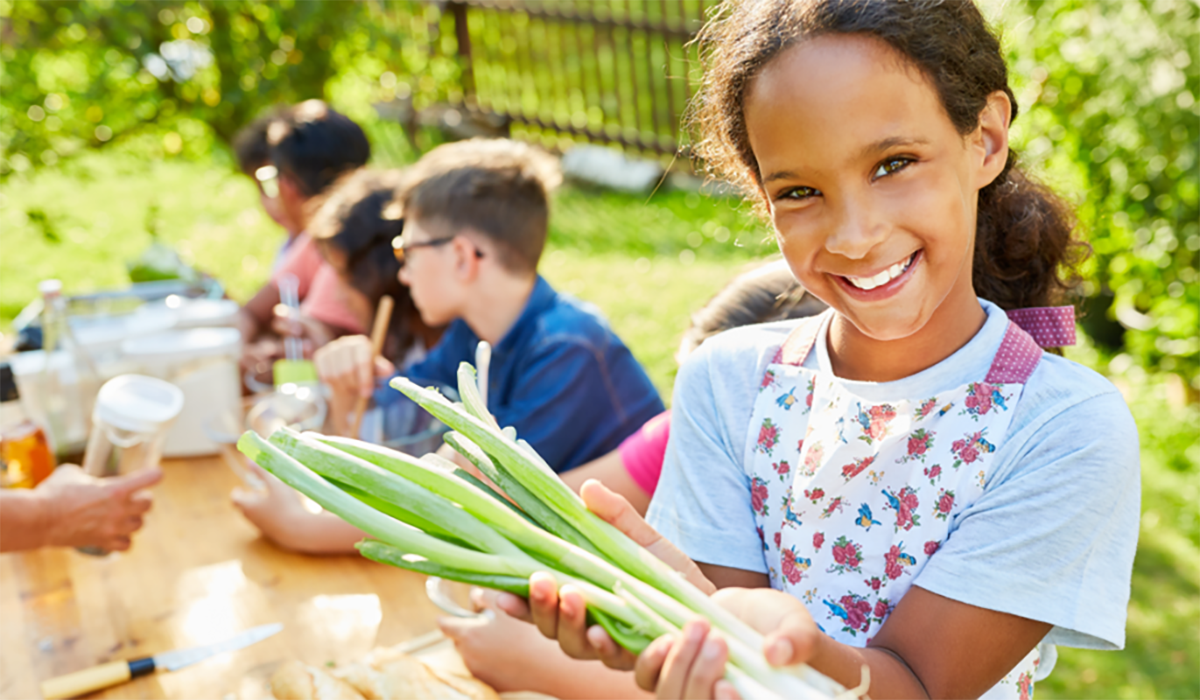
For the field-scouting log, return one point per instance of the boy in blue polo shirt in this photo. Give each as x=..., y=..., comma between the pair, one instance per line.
x=475, y=223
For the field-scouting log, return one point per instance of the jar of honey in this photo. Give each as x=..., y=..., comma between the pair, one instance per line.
x=25, y=455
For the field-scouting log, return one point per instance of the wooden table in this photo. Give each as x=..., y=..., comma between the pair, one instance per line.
x=197, y=573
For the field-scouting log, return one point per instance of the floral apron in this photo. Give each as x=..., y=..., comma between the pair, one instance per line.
x=852, y=498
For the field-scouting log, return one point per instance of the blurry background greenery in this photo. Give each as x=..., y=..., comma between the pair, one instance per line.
x=115, y=119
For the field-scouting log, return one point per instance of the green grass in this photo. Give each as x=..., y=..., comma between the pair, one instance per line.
x=647, y=263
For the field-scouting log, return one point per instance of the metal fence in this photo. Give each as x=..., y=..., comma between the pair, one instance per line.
x=602, y=71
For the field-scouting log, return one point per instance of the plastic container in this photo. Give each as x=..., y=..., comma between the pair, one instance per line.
x=68, y=380
x=25, y=456
x=130, y=424
x=203, y=363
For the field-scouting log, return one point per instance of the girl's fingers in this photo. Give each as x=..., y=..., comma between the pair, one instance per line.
x=572, y=624
x=708, y=668
x=650, y=662
x=724, y=690
x=543, y=603
x=672, y=681
x=610, y=653
x=514, y=606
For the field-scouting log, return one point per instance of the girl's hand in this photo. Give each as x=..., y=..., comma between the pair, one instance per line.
x=692, y=664
x=562, y=615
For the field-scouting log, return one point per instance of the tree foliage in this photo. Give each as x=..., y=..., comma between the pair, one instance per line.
x=1108, y=92
x=181, y=76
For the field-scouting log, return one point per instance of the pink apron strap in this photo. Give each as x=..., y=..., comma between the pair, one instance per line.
x=1016, y=359
x=1049, y=326
x=800, y=341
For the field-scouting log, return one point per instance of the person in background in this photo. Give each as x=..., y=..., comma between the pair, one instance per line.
x=294, y=155
x=353, y=230
x=73, y=509
x=510, y=655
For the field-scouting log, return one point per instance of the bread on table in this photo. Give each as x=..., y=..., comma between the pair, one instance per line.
x=388, y=674
x=299, y=681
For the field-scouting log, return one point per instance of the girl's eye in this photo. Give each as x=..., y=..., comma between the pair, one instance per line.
x=799, y=193
x=890, y=166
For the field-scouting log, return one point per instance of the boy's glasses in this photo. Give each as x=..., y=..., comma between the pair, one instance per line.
x=268, y=180
x=400, y=248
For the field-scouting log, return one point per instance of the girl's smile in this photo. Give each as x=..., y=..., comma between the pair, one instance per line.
x=873, y=193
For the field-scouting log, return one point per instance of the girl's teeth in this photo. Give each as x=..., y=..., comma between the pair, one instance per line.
x=869, y=283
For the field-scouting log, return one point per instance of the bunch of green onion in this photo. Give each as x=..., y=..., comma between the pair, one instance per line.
x=430, y=516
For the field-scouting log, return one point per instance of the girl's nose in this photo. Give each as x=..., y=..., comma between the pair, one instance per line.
x=857, y=230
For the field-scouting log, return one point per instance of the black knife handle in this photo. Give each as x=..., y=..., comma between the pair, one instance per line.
x=141, y=667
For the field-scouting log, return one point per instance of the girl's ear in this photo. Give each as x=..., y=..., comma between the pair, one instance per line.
x=991, y=138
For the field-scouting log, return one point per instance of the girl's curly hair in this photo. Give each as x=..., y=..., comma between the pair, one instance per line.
x=1025, y=247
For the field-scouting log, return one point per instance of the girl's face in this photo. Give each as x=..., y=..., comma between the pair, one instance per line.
x=871, y=189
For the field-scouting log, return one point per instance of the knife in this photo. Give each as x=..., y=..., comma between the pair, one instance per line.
x=105, y=675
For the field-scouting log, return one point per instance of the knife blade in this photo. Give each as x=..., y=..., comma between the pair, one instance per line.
x=93, y=679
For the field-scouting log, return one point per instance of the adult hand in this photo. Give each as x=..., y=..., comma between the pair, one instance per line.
x=349, y=367
x=82, y=511
x=691, y=665
x=562, y=615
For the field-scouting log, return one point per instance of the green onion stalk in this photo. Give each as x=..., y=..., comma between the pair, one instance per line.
x=428, y=515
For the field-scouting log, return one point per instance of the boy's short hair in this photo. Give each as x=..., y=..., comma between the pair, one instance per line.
x=314, y=145
x=497, y=187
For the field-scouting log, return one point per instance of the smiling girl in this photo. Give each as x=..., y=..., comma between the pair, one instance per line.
x=945, y=502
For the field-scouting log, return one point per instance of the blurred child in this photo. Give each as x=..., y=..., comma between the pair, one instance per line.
x=293, y=155
x=904, y=492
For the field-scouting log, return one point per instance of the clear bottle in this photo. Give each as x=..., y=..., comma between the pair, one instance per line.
x=25, y=457
x=69, y=382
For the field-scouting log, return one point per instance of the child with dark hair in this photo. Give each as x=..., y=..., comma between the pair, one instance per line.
x=293, y=155
x=905, y=489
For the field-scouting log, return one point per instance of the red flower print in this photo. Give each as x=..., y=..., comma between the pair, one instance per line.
x=768, y=380
x=968, y=455
x=778, y=538
x=896, y=559
x=933, y=473
x=858, y=612
x=782, y=468
x=881, y=609
x=945, y=504
x=814, y=495
x=918, y=444
x=768, y=435
x=874, y=582
x=874, y=422
x=852, y=470
x=926, y=408
x=812, y=459
x=818, y=540
x=932, y=546
x=793, y=567
x=905, y=504
x=847, y=555
x=758, y=495
x=1025, y=686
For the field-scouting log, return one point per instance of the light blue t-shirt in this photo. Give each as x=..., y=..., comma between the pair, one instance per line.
x=1052, y=537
